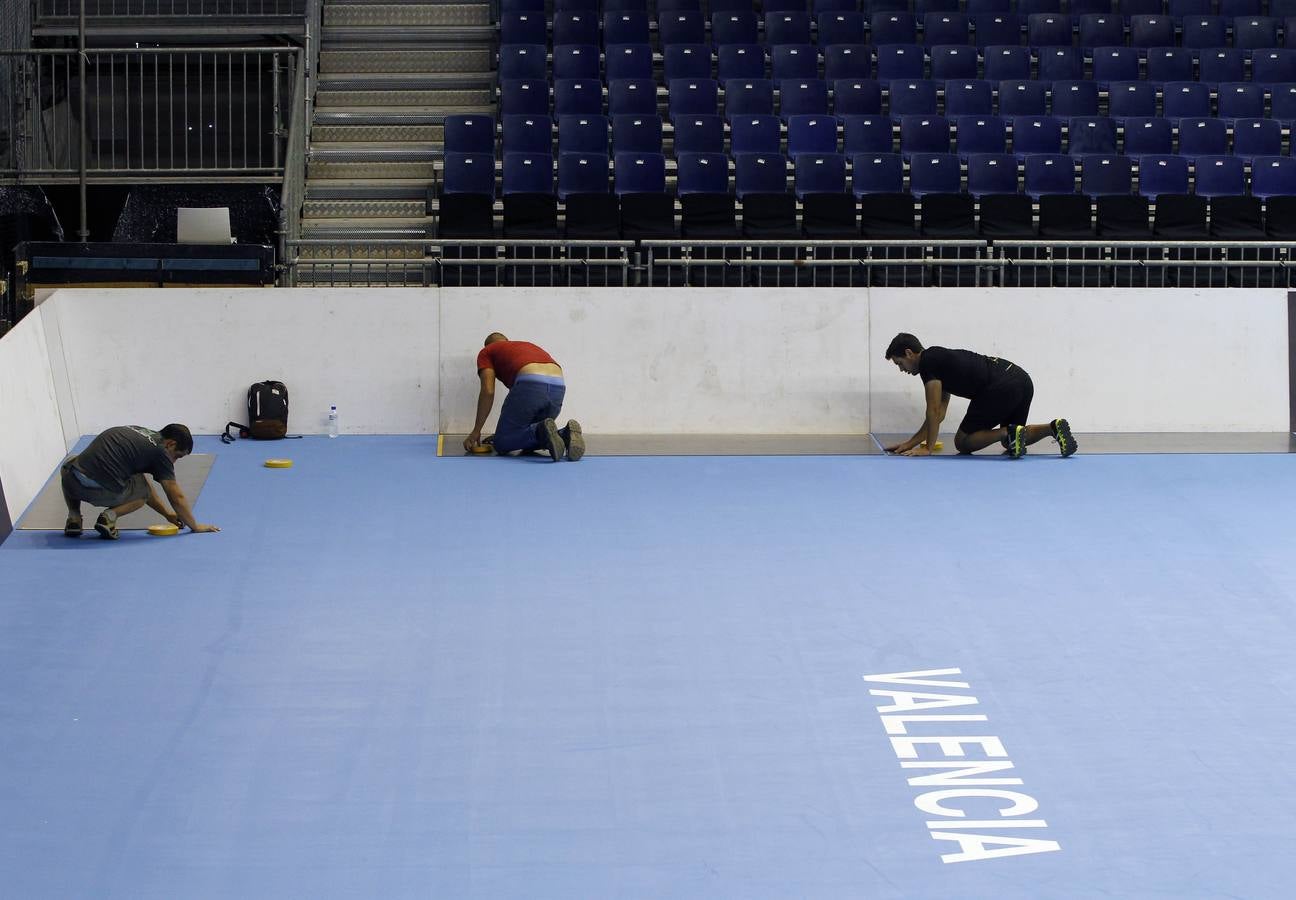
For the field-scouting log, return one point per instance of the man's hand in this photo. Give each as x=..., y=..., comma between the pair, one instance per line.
x=200, y=528
x=472, y=441
x=895, y=448
x=917, y=451
x=173, y=519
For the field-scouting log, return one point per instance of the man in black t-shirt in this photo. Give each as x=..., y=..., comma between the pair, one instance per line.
x=110, y=473
x=1000, y=391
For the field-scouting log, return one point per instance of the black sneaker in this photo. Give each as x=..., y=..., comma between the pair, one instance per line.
x=553, y=441
x=106, y=525
x=575, y=439
x=1015, y=441
x=1065, y=439
x=72, y=527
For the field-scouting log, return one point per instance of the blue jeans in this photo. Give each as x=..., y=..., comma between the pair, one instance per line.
x=530, y=401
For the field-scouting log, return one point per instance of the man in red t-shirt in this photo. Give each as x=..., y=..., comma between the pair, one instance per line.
x=536, y=391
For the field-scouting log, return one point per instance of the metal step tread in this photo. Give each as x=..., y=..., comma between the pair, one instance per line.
x=445, y=60
x=333, y=224
x=468, y=35
x=378, y=153
x=390, y=189
x=393, y=14
x=399, y=134
x=406, y=81
x=427, y=171
x=397, y=115
x=428, y=98
x=382, y=211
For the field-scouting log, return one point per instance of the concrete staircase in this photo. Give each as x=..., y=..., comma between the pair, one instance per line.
x=389, y=74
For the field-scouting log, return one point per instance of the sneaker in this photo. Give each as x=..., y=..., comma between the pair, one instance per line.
x=553, y=441
x=1065, y=439
x=72, y=527
x=106, y=525
x=575, y=439
x=1015, y=441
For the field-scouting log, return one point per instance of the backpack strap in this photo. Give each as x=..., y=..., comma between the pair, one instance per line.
x=228, y=438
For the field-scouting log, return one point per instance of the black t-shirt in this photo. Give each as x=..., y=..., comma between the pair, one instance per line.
x=962, y=372
x=121, y=452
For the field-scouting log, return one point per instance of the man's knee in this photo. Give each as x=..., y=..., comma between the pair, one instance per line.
x=961, y=442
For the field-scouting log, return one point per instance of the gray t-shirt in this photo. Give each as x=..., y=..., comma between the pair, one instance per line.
x=122, y=452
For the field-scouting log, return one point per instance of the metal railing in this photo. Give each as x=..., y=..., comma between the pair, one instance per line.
x=147, y=112
x=293, y=190
x=1192, y=264
x=175, y=9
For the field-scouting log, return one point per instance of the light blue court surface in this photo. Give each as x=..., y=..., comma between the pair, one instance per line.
x=398, y=676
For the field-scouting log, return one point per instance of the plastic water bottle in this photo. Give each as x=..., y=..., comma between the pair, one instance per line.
x=333, y=422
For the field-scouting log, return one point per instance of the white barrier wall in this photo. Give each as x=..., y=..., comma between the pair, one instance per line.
x=150, y=357
x=31, y=433
x=1109, y=360
x=674, y=361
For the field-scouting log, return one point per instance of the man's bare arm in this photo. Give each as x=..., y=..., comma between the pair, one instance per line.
x=485, y=400
x=181, y=504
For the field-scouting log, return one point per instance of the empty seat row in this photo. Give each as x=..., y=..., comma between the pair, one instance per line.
x=1174, y=8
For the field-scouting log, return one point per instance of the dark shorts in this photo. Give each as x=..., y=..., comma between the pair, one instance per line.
x=74, y=491
x=1006, y=401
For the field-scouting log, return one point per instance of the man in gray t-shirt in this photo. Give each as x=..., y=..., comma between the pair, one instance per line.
x=110, y=473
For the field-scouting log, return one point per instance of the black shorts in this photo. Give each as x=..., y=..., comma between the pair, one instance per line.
x=1006, y=401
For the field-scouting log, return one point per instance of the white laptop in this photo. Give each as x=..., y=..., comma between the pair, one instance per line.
x=203, y=226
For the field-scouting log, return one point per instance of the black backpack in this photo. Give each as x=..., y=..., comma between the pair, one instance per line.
x=267, y=411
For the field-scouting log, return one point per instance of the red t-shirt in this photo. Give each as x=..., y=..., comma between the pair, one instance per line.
x=507, y=357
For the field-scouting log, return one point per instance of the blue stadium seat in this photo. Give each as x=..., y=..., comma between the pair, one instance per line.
x=996, y=29
x=1036, y=134
x=1075, y=98
x=1105, y=176
x=625, y=6
x=1282, y=8
x=1117, y=64
x=1030, y=7
x=1256, y=137
x=628, y=61
x=980, y=134
x=1023, y=98
x=1102, y=30
x=636, y=134
x=1202, y=137
x=472, y=133
x=934, y=173
x=740, y=61
x=1048, y=30
x=1166, y=64
x=699, y=134
x=787, y=27
x=868, y=134
x=734, y=28
x=522, y=6
x=1131, y=98
x=1007, y=63
x=811, y=134
x=1161, y=175
x=1088, y=135
x=578, y=97
x=1185, y=99
x=528, y=134
x=794, y=61
x=877, y=173
x=822, y=6
x=1139, y=7
x=840, y=28
x=632, y=97
x=912, y=98
x=1283, y=103
x=1061, y=64
x=1148, y=136
x=684, y=27
x=759, y=173
x=1241, y=100
x=1221, y=65
x=820, y=173
x=577, y=5
x=1273, y=66
x=693, y=97
x=893, y=28
x=1255, y=32
x=685, y=61
x=528, y=173
x=1049, y=173
x=582, y=173
x=639, y=173
x=523, y=28
x=1236, y=8
x=469, y=173
x=625, y=28
x=848, y=61
x=749, y=97
x=571, y=61
x=924, y=134
x=524, y=96
x=770, y=6
x=1203, y=31
x=1219, y=176
x=803, y=97
x=1181, y=9
x=976, y=7
x=900, y=61
x=1273, y=176
x=949, y=62
x=701, y=173
x=924, y=7
x=582, y=134
x=861, y=96
x=578, y=27
x=524, y=61
x=946, y=28
x=729, y=5
x=968, y=98
x=756, y=134
x=991, y=173
x=1151, y=31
